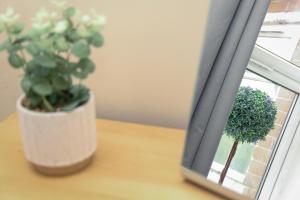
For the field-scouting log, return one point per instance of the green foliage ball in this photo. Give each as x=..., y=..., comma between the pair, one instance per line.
x=252, y=116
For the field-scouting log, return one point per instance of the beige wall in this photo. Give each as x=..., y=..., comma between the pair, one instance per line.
x=146, y=70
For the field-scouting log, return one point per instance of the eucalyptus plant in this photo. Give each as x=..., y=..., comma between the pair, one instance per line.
x=54, y=55
x=251, y=118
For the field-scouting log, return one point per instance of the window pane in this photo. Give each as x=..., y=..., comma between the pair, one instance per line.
x=280, y=32
x=251, y=159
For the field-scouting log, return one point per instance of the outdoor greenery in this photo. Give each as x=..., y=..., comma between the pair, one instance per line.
x=242, y=157
x=54, y=55
x=251, y=118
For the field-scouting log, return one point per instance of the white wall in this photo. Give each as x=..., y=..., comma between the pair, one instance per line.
x=146, y=70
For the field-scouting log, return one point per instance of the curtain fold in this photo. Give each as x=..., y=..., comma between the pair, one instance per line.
x=232, y=29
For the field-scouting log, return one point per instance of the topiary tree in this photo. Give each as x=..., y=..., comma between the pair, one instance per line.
x=251, y=119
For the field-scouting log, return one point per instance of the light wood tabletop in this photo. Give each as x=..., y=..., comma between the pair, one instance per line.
x=132, y=162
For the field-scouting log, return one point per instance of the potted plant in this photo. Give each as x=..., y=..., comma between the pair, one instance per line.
x=56, y=112
x=252, y=117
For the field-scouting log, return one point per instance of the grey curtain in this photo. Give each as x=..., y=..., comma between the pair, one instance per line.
x=232, y=29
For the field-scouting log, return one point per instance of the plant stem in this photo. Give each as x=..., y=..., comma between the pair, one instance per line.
x=68, y=55
x=23, y=54
x=47, y=104
x=24, y=57
x=229, y=159
x=7, y=32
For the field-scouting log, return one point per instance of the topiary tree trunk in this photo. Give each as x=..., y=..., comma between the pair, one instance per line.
x=229, y=159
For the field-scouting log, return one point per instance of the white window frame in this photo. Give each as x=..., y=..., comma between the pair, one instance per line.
x=282, y=72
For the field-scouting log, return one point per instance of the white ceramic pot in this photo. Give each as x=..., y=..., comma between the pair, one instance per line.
x=60, y=142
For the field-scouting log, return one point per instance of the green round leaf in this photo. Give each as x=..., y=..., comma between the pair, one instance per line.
x=33, y=98
x=43, y=88
x=84, y=68
x=4, y=45
x=2, y=27
x=33, y=48
x=60, y=83
x=61, y=44
x=69, y=12
x=16, y=28
x=45, y=61
x=26, y=84
x=35, y=34
x=97, y=40
x=80, y=49
x=87, y=65
x=13, y=48
x=45, y=45
x=15, y=60
x=80, y=74
x=72, y=35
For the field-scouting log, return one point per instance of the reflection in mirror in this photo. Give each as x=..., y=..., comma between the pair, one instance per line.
x=242, y=161
x=255, y=105
x=244, y=156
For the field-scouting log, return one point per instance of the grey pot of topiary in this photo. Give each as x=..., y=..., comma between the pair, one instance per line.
x=252, y=117
x=57, y=111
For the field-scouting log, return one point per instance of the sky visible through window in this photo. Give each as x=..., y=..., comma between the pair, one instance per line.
x=280, y=32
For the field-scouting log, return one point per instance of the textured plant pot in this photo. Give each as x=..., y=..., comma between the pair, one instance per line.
x=61, y=142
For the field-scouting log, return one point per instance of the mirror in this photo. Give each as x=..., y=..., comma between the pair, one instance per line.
x=246, y=159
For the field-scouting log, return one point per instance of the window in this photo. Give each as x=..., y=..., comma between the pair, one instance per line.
x=274, y=68
x=280, y=32
x=256, y=166
x=286, y=75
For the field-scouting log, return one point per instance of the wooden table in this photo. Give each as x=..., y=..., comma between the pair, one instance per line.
x=132, y=162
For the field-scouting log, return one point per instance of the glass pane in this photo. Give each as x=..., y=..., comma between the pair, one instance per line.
x=280, y=32
x=250, y=160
